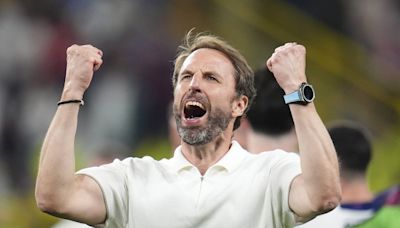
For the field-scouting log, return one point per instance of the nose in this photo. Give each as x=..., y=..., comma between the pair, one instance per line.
x=195, y=82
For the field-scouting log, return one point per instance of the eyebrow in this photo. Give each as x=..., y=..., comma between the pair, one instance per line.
x=207, y=72
x=213, y=73
x=187, y=72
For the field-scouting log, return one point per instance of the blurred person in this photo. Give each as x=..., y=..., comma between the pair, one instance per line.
x=18, y=59
x=389, y=213
x=13, y=141
x=374, y=25
x=209, y=175
x=270, y=121
x=354, y=149
x=387, y=210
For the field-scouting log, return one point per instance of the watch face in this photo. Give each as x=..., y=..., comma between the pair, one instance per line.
x=308, y=93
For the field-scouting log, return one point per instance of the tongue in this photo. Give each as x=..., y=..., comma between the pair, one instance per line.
x=192, y=112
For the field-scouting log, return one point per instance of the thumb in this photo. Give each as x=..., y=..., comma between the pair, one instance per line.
x=97, y=64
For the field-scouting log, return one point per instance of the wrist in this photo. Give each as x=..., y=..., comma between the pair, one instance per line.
x=71, y=94
x=305, y=94
x=292, y=85
x=291, y=88
x=63, y=102
x=290, y=82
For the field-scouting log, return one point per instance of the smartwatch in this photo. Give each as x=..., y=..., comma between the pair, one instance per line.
x=304, y=95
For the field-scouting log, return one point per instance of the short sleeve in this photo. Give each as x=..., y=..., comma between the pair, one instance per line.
x=113, y=183
x=285, y=168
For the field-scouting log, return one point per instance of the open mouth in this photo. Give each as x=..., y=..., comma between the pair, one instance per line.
x=194, y=109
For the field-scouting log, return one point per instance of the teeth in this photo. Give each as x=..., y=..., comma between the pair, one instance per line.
x=194, y=103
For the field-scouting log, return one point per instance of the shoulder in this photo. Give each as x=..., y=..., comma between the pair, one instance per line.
x=275, y=157
x=142, y=165
x=127, y=166
x=270, y=162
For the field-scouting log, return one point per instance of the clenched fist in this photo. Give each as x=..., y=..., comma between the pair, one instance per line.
x=288, y=64
x=82, y=61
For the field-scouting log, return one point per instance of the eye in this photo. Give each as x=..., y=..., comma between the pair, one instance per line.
x=186, y=76
x=211, y=77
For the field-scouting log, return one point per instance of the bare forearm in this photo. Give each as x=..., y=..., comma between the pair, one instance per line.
x=317, y=189
x=58, y=190
x=319, y=163
x=57, y=160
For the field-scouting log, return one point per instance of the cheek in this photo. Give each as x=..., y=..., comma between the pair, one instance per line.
x=177, y=96
x=179, y=88
x=177, y=91
x=224, y=101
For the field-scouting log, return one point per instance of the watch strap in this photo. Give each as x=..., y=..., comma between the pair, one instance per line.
x=292, y=97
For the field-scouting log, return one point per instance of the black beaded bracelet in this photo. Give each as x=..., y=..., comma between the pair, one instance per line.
x=71, y=101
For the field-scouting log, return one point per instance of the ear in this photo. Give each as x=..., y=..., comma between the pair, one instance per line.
x=239, y=105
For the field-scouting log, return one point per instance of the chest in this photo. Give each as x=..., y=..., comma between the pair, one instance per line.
x=220, y=199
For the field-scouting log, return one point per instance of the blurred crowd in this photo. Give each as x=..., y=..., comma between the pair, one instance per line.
x=373, y=24
x=33, y=40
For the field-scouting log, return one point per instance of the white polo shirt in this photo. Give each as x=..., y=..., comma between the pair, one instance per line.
x=242, y=190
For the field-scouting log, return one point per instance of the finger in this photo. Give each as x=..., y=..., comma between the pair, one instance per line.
x=269, y=64
x=99, y=52
x=279, y=48
x=98, y=61
x=93, y=49
x=285, y=46
x=97, y=64
x=96, y=51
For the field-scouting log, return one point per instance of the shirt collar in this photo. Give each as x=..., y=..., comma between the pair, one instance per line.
x=179, y=161
x=230, y=161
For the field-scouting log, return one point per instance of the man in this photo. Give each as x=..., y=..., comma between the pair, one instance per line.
x=211, y=181
x=271, y=124
x=354, y=150
x=387, y=215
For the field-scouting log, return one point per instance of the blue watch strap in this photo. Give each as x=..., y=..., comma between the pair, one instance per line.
x=292, y=97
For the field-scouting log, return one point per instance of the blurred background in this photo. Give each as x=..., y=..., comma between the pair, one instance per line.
x=353, y=61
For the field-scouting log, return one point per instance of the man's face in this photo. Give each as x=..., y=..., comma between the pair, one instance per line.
x=204, y=96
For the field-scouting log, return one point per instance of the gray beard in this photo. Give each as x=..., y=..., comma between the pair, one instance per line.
x=217, y=123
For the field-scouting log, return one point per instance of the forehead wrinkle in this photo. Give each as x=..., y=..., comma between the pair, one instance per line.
x=207, y=63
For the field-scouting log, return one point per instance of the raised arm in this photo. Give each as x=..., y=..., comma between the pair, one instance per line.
x=58, y=190
x=317, y=189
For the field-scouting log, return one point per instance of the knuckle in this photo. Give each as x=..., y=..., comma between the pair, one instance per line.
x=71, y=48
x=299, y=46
x=89, y=46
x=302, y=48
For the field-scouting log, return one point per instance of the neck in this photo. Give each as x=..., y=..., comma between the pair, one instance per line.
x=258, y=142
x=204, y=156
x=356, y=191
